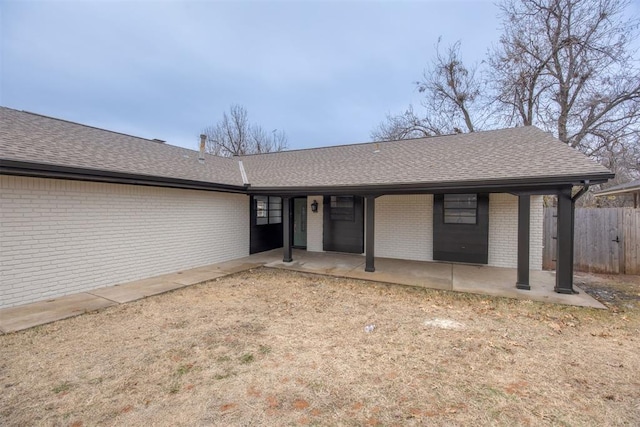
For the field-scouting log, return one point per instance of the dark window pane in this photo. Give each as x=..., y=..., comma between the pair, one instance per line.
x=460, y=201
x=342, y=208
x=275, y=203
x=460, y=208
x=275, y=217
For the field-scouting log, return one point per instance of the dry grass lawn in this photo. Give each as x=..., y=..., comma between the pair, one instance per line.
x=270, y=347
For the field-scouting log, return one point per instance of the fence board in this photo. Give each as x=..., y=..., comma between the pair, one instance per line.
x=606, y=240
x=631, y=227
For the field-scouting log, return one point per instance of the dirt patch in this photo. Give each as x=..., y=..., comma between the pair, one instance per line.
x=618, y=292
x=282, y=348
x=444, y=323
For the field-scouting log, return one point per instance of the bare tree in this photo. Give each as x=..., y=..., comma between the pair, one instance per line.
x=451, y=103
x=234, y=135
x=450, y=89
x=568, y=66
x=402, y=126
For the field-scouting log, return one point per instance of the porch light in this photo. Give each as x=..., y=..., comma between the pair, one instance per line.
x=314, y=206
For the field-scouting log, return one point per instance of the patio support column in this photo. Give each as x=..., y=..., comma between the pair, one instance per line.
x=286, y=229
x=564, y=233
x=369, y=238
x=524, y=213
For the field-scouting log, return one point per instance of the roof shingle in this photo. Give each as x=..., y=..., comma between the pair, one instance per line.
x=515, y=153
x=491, y=156
x=34, y=138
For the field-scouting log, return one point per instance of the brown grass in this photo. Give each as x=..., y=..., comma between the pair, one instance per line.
x=280, y=348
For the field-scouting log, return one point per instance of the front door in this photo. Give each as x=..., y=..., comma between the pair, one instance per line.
x=343, y=228
x=300, y=222
x=461, y=228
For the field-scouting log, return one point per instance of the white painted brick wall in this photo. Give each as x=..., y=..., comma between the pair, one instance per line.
x=59, y=237
x=314, y=225
x=503, y=231
x=536, y=225
x=404, y=227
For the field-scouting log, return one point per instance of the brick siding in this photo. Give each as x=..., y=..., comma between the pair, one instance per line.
x=503, y=231
x=404, y=228
x=59, y=237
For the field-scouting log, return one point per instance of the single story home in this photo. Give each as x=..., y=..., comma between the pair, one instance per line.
x=631, y=188
x=83, y=208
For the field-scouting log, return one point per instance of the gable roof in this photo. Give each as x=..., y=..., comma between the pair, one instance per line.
x=28, y=138
x=31, y=144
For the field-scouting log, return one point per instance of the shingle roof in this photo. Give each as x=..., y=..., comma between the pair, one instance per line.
x=34, y=138
x=515, y=153
x=490, y=156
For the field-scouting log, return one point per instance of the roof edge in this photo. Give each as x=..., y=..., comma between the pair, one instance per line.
x=522, y=185
x=628, y=190
x=43, y=170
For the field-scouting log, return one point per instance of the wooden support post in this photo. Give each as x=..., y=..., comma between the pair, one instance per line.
x=369, y=226
x=564, y=254
x=524, y=213
x=286, y=229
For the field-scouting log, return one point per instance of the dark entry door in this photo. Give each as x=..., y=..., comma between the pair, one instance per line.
x=343, y=228
x=461, y=228
x=300, y=222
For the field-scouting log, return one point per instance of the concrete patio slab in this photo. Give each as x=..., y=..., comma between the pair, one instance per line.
x=27, y=316
x=477, y=279
x=330, y=263
x=432, y=275
x=497, y=281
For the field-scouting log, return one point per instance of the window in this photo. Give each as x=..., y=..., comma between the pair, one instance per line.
x=342, y=208
x=460, y=208
x=268, y=210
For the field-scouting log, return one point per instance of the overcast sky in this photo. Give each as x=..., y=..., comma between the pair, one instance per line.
x=326, y=73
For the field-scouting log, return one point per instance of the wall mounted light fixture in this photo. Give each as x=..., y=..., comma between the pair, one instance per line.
x=314, y=206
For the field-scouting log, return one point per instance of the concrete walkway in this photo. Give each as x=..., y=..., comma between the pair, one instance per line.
x=38, y=313
x=476, y=279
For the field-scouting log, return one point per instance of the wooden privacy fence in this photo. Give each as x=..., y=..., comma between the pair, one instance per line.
x=607, y=240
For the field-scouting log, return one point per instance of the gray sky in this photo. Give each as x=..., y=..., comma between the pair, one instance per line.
x=326, y=73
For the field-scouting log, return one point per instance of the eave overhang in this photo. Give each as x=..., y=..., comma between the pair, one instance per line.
x=42, y=170
x=538, y=185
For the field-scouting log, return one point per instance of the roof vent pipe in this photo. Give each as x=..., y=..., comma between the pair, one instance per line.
x=203, y=140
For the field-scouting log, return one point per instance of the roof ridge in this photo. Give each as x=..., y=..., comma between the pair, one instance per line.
x=464, y=134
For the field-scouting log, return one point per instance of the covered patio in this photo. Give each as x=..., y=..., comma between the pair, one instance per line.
x=476, y=279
